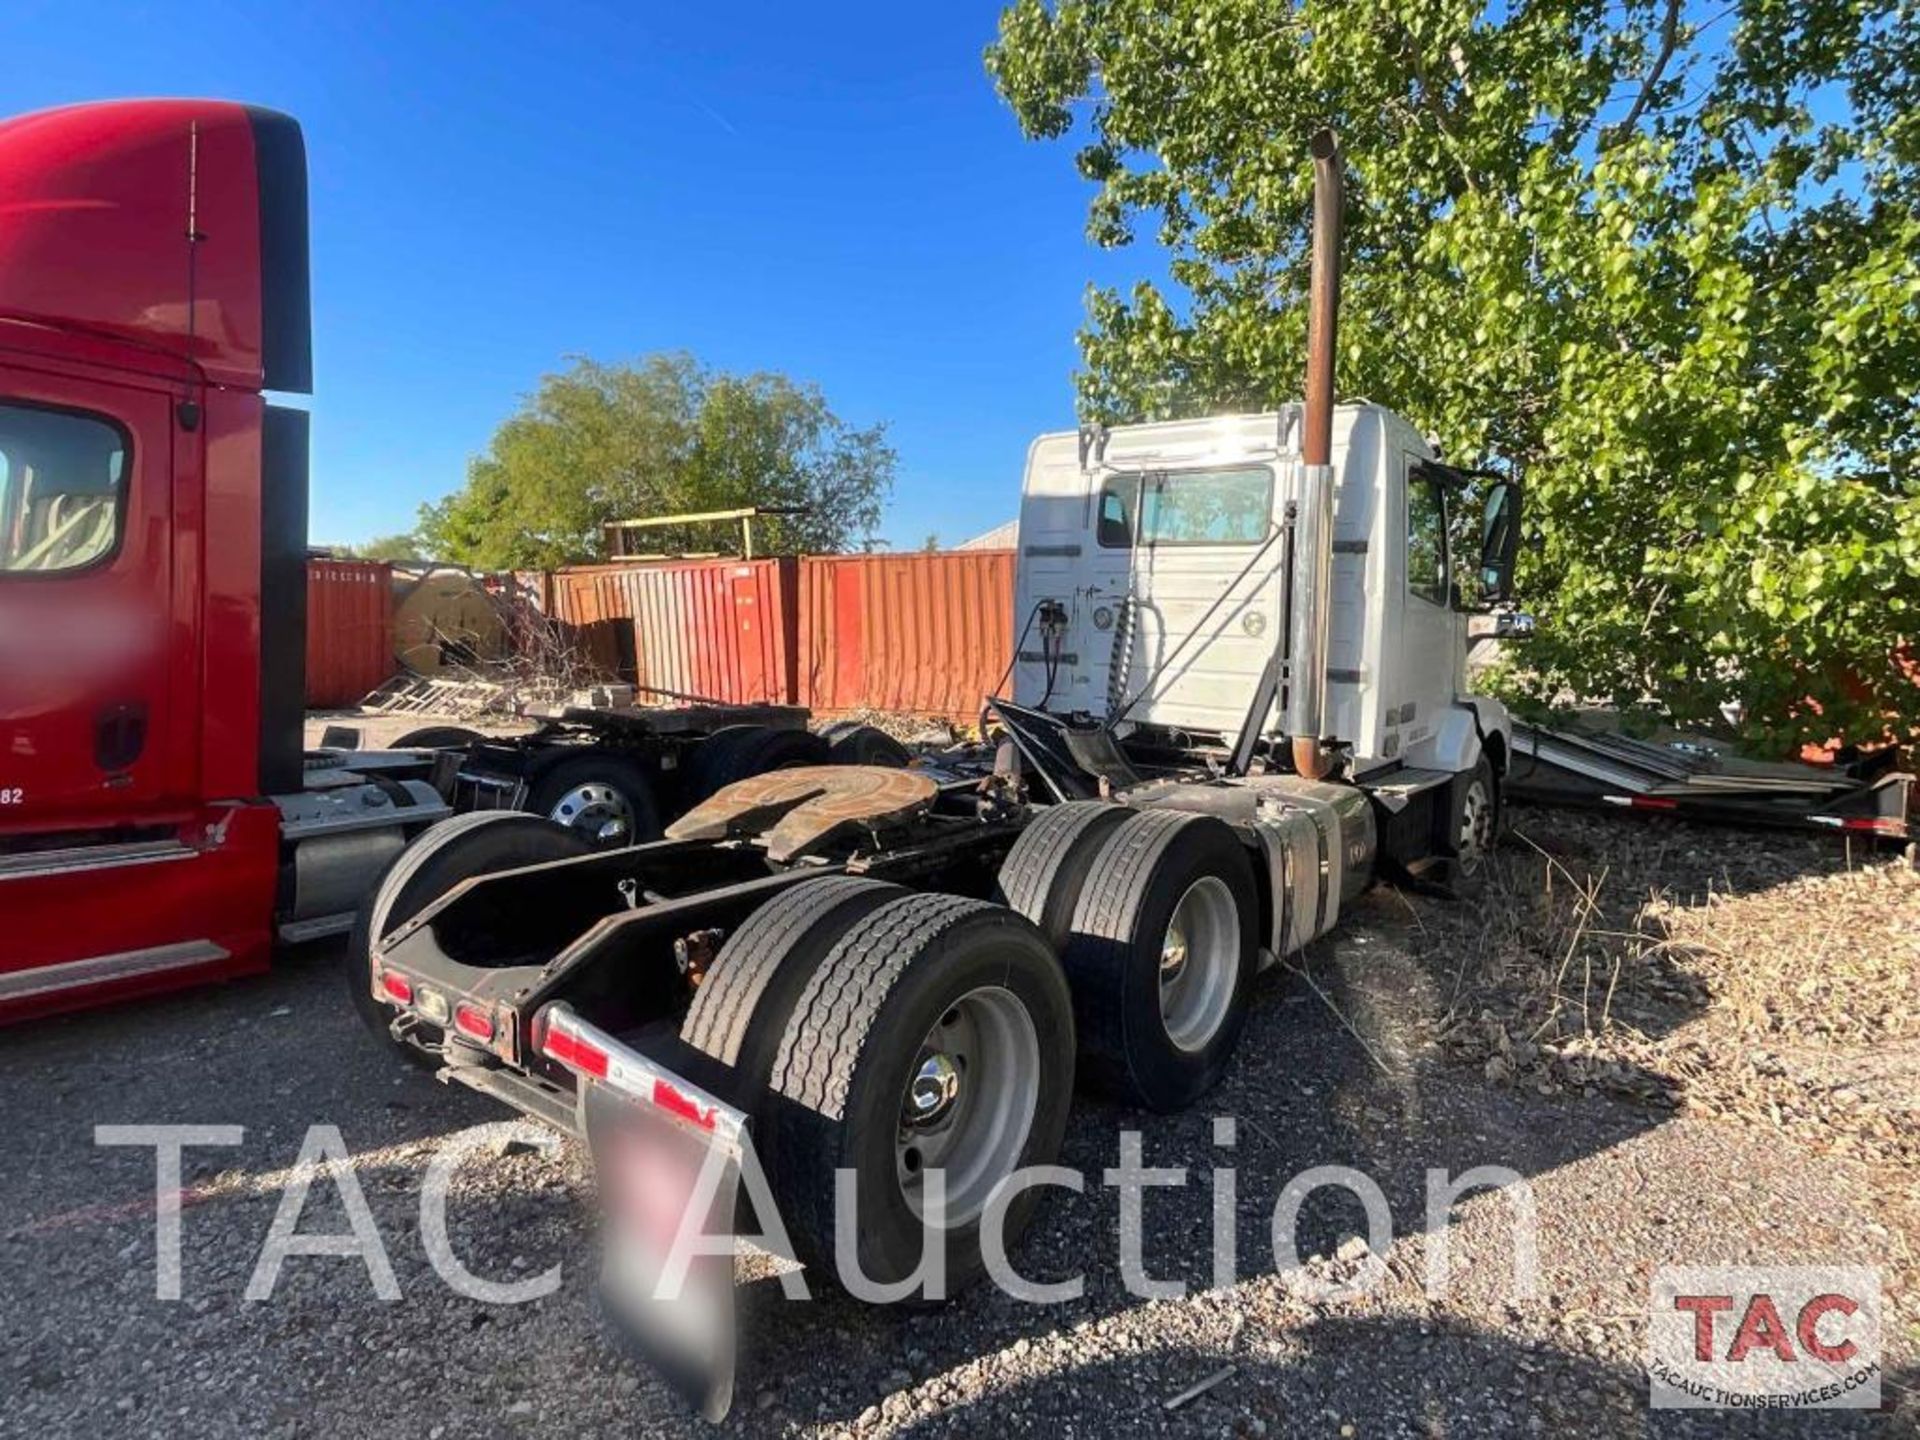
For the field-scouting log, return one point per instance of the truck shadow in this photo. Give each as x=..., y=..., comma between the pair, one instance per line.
x=1330, y=1376
x=1337, y=1067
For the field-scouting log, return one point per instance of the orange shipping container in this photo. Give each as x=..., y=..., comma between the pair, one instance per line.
x=702, y=629
x=926, y=633
x=349, y=630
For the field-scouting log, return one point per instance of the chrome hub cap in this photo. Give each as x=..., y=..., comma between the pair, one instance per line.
x=1199, y=963
x=1475, y=840
x=969, y=1105
x=596, y=810
x=935, y=1087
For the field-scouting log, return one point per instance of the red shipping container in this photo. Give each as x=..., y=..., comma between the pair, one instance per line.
x=927, y=633
x=695, y=629
x=349, y=630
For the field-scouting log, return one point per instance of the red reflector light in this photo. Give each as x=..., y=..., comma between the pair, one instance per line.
x=672, y=1098
x=397, y=986
x=1878, y=825
x=576, y=1054
x=470, y=1019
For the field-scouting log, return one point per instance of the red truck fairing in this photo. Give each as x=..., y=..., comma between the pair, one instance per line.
x=153, y=283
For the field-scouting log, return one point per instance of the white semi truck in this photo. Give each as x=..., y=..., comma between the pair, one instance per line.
x=1238, y=695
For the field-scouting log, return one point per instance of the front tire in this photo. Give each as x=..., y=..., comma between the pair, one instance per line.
x=437, y=737
x=1473, y=830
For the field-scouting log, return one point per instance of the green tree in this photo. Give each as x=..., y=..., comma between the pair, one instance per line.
x=1665, y=263
x=664, y=436
x=407, y=548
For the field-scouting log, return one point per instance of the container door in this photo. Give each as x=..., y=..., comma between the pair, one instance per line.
x=86, y=564
x=754, y=682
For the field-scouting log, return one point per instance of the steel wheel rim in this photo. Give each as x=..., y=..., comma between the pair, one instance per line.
x=596, y=809
x=969, y=1103
x=1199, y=963
x=1476, y=827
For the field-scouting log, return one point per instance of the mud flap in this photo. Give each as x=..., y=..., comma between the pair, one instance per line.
x=668, y=1193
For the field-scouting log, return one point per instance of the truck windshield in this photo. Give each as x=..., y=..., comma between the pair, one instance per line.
x=1188, y=507
x=61, y=478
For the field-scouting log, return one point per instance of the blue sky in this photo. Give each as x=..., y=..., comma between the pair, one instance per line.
x=834, y=191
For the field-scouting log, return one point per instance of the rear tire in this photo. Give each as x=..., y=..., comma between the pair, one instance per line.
x=1044, y=873
x=739, y=752
x=851, y=743
x=445, y=854
x=437, y=737
x=875, y=1068
x=607, y=799
x=739, y=1014
x=1160, y=1005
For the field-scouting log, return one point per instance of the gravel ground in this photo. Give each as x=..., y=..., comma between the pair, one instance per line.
x=1339, y=1065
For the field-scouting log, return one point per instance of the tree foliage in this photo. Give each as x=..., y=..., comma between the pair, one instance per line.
x=665, y=436
x=1662, y=259
x=397, y=548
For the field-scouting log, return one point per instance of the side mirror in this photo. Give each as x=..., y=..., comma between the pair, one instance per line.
x=1499, y=541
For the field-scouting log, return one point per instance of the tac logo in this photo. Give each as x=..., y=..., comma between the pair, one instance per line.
x=1764, y=1337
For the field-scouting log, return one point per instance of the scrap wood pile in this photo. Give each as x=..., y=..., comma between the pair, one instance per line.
x=1765, y=978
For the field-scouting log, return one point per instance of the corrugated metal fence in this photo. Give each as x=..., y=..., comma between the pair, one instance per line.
x=349, y=630
x=928, y=633
x=705, y=629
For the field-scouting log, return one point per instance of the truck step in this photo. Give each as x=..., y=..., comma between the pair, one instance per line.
x=99, y=969
x=1394, y=790
x=37, y=863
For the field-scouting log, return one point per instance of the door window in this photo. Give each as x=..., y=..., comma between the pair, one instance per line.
x=62, y=488
x=1189, y=507
x=1426, y=540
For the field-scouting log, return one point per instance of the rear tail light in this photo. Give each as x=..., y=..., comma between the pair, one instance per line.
x=472, y=1020
x=397, y=987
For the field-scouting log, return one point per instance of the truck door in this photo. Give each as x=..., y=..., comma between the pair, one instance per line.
x=1427, y=676
x=86, y=568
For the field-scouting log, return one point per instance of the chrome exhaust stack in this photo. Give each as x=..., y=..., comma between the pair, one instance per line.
x=1309, y=600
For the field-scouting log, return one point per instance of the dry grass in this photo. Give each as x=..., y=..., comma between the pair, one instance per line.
x=1771, y=979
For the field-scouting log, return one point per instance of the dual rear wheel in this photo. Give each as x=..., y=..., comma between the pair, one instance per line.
x=927, y=1044
x=1154, y=914
x=922, y=1043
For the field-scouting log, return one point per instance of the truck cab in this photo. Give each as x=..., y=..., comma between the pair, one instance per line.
x=153, y=473
x=1176, y=563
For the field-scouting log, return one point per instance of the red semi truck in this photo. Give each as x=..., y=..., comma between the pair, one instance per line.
x=161, y=823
